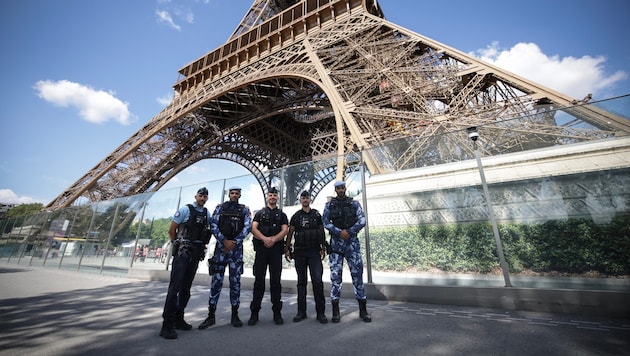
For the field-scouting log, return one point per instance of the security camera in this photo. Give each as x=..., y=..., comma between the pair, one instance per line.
x=473, y=136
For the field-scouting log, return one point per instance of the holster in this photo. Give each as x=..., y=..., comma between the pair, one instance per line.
x=174, y=248
x=328, y=248
x=215, y=267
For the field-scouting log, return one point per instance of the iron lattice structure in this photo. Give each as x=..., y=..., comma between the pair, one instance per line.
x=315, y=80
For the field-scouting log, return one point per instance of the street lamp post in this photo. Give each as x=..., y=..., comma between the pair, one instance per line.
x=474, y=136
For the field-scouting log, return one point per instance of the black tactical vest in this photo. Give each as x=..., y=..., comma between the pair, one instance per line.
x=270, y=221
x=308, y=233
x=270, y=224
x=197, y=225
x=231, y=221
x=342, y=213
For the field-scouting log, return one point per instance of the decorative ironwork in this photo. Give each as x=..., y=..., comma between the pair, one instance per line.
x=306, y=80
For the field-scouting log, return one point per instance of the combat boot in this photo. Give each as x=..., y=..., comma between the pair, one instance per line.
x=210, y=320
x=321, y=317
x=168, y=332
x=181, y=324
x=363, y=314
x=299, y=317
x=335, y=313
x=277, y=316
x=236, y=322
x=253, y=319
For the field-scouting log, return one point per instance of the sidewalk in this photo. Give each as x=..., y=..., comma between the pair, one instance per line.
x=56, y=312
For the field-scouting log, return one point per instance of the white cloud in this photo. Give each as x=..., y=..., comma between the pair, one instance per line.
x=173, y=13
x=165, y=16
x=165, y=100
x=7, y=196
x=95, y=106
x=572, y=76
x=185, y=13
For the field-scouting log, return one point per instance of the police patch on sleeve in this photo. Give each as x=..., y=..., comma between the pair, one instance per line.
x=177, y=213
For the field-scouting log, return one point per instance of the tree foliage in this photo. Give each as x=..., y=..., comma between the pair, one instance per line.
x=24, y=209
x=571, y=247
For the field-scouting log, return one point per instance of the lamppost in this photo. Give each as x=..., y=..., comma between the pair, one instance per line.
x=473, y=135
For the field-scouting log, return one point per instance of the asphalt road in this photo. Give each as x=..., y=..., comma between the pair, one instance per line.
x=46, y=311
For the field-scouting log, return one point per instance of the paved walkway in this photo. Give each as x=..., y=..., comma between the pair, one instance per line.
x=55, y=312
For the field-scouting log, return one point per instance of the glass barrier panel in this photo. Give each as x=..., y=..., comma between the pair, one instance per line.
x=441, y=208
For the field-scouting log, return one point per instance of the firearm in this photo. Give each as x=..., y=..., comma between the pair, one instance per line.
x=328, y=248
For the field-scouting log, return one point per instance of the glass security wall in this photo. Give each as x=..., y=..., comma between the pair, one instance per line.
x=552, y=216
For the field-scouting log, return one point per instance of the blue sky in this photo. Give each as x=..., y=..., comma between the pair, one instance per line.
x=81, y=77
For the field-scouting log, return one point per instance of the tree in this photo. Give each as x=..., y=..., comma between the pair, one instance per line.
x=24, y=209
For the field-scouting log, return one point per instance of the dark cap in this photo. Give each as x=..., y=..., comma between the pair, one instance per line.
x=273, y=190
x=234, y=188
x=305, y=194
x=339, y=183
x=203, y=191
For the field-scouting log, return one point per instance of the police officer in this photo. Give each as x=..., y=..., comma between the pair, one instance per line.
x=231, y=222
x=308, y=250
x=189, y=233
x=269, y=228
x=344, y=218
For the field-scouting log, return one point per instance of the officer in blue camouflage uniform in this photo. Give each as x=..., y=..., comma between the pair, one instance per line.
x=189, y=233
x=343, y=217
x=231, y=222
x=306, y=231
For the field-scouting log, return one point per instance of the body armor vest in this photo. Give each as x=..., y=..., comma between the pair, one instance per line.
x=231, y=221
x=270, y=224
x=308, y=233
x=197, y=226
x=342, y=213
x=270, y=221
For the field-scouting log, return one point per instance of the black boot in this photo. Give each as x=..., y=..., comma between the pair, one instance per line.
x=181, y=324
x=363, y=314
x=277, y=316
x=299, y=317
x=210, y=320
x=335, y=307
x=168, y=332
x=236, y=322
x=321, y=315
x=253, y=319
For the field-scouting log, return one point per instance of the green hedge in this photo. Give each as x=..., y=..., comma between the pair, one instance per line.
x=574, y=246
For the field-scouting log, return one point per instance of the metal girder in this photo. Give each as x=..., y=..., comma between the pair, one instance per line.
x=302, y=81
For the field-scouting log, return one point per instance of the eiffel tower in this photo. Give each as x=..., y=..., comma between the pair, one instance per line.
x=318, y=80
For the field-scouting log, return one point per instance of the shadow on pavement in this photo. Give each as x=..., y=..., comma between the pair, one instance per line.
x=123, y=317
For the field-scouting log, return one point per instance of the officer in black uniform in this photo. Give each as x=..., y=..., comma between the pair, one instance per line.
x=269, y=227
x=189, y=233
x=308, y=250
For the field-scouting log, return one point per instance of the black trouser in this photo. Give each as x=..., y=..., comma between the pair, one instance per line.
x=309, y=258
x=271, y=257
x=183, y=272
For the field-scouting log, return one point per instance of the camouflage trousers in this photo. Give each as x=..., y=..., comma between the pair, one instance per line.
x=349, y=249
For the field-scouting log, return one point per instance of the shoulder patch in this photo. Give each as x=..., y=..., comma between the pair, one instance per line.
x=177, y=213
